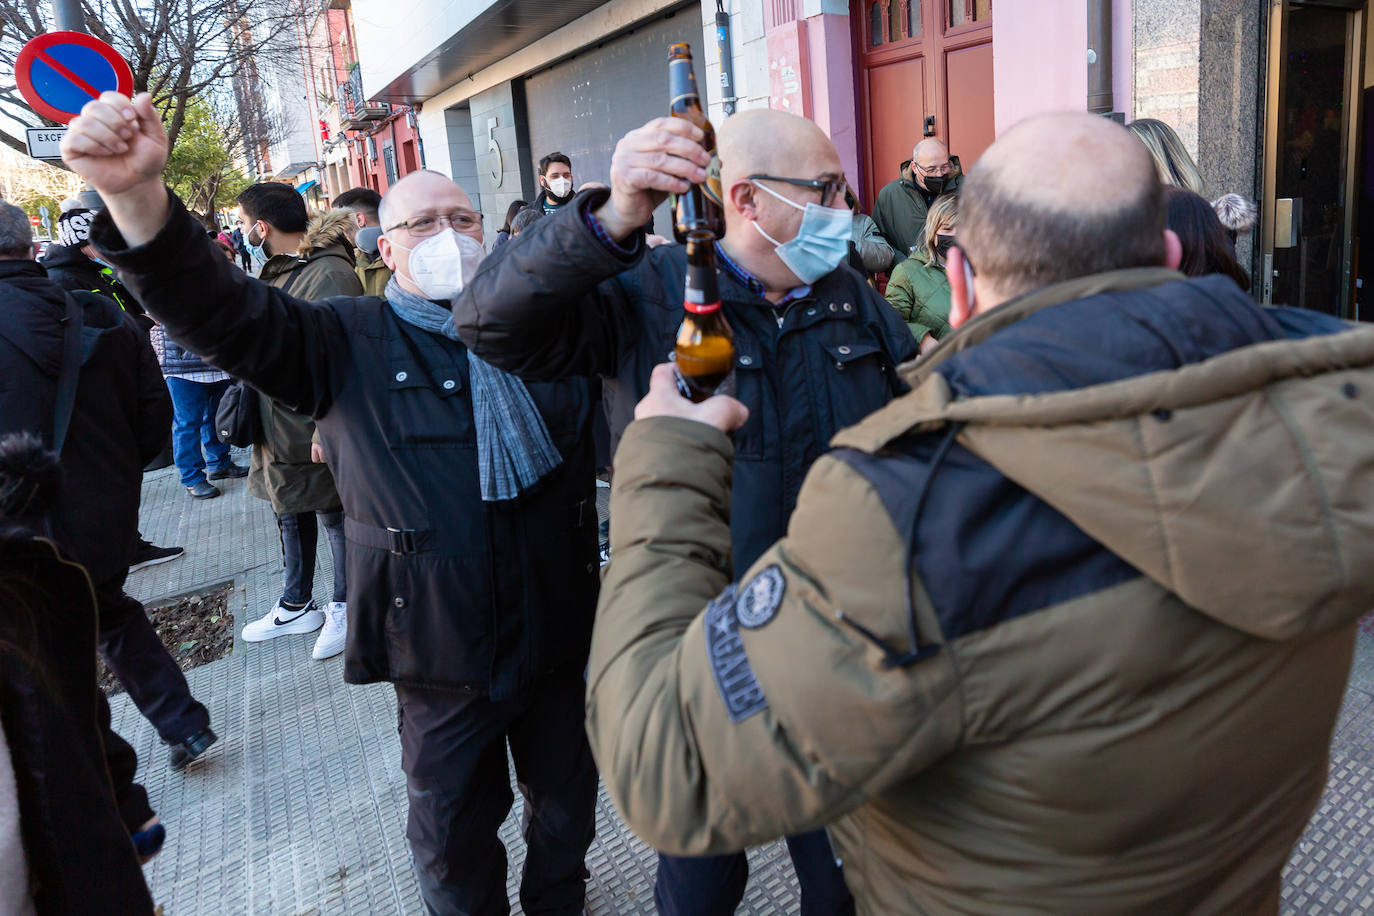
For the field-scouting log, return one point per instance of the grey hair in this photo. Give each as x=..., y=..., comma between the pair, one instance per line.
x=16, y=236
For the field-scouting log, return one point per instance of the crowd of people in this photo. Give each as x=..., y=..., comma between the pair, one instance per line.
x=976, y=589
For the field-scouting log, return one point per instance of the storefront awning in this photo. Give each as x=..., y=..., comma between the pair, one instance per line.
x=307, y=186
x=496, y=31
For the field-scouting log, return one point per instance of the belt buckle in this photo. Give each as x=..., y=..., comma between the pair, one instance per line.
x=402, y=540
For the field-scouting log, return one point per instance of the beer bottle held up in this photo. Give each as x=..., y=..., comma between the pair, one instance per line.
x=700, y=208
x=704, y=352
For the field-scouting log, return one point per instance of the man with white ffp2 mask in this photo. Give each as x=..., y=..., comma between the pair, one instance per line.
x=555, y=183
x=470, y=588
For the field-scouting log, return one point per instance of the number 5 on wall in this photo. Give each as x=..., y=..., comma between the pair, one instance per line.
x=497, y=166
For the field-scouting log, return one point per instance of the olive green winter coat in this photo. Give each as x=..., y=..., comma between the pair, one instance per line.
x=1152, y=746
x=282, y=471
x=919, y=291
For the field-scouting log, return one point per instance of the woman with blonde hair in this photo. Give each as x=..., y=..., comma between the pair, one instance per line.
x=1172, y=161
x=919, y=290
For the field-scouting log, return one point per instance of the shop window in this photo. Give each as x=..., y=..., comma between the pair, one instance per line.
x=913, y=19
x=875, y=25
x=894, y=20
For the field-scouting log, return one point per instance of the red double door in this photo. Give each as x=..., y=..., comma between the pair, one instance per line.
x=922, y=59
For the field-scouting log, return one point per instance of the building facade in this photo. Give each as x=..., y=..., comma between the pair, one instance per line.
x=1268, y=95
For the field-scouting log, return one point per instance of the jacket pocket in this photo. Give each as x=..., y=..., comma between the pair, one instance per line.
x=424, y=411
x=856, y=380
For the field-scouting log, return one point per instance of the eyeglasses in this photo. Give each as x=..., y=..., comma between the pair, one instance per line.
x=458, y=221
x=830, y=188
x=943, y=169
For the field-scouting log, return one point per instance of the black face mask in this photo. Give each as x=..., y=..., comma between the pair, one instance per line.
x=935, y=184
x=943, y=243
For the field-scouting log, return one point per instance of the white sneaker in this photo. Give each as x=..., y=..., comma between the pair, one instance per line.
x=281, y=622
x=335, y=632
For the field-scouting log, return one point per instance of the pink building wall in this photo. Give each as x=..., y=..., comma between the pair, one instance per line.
x=1039, y=59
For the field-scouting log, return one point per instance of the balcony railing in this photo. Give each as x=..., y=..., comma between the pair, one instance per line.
x=356, y=112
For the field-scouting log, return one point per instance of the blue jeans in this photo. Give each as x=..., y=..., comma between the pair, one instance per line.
x=193, y=426
x=714, y=885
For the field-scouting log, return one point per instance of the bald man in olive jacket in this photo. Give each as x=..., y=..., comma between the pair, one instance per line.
x=1064, y=630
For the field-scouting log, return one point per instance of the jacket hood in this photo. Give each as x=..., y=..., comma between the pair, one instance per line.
x=1243, y=483
x=62, y=257
x=331, y=229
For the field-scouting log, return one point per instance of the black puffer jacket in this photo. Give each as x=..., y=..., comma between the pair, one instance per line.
x=462, y=594
x=119, y=423
x=78, y=849
x=805, y=371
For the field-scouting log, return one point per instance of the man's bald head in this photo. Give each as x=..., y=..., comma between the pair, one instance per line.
x=768, y=142
x=416, y=192
x=1101, y=208
x=930, y=151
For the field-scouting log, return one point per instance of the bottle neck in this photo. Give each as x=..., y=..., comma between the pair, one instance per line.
x=682, y=84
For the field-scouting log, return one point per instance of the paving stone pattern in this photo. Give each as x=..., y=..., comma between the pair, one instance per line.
x=300, y=807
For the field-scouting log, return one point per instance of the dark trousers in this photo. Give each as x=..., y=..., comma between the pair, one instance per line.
x=132, y=649
x=714, y=885
x=453, y=752
x=193, y=428
x=300, y=534
x=122, y=762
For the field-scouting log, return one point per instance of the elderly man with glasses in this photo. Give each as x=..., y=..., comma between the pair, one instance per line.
x=904, y=202
x=468, y=498
x=816, y=349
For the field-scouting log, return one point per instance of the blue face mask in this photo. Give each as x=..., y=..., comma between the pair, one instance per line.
x=256, y=251
x=821, y=244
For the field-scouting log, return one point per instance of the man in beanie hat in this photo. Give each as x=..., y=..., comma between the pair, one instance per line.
x=73, y=265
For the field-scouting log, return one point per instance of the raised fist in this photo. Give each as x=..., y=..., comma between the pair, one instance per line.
x=117, y=144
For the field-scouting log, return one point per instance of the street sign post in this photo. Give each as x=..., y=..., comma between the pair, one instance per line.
x=59, y=72
x=45, y=142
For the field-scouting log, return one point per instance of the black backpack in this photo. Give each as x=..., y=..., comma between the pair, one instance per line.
x=237, y=420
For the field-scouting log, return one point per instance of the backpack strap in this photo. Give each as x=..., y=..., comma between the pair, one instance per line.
x=65, y=400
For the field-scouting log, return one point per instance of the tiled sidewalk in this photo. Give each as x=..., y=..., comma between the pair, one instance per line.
x=300, y=807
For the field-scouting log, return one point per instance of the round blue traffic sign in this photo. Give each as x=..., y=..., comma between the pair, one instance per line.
x=59, y=72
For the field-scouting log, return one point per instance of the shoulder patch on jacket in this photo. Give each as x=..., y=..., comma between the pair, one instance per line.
x=758, y=602
x=739, y=688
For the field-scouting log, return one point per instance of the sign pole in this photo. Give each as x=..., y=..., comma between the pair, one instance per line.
x=69, y=16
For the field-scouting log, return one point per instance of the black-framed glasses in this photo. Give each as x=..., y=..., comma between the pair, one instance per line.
x=830, y=188
x=429, y=224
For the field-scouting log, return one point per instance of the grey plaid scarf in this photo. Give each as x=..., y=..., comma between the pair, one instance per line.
x=514, y=449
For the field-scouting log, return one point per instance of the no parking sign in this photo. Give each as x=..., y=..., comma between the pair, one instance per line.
x=59, y=72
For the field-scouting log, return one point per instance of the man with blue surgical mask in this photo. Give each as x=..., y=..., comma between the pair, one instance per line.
x=816, y=350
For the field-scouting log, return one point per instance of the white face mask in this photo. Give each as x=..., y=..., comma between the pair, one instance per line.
x=442, y=263
x=560, y=187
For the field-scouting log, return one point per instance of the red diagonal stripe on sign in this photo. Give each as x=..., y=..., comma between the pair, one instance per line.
x=77, y=81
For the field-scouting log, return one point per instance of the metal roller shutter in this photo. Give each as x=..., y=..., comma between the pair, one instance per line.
x=582, y=106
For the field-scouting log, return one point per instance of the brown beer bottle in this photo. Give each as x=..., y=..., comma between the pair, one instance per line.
x=704, y=352
x=700, y=207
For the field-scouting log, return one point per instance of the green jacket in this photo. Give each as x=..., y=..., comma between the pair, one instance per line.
x=901, y=209
x=1154, y=743
x=919, y=291
x=281, y=470
x=372, y=272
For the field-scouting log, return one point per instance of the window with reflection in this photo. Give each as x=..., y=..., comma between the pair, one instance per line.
x=963, y=12
x=894, y=19
x=913, y=19
x=875, y=25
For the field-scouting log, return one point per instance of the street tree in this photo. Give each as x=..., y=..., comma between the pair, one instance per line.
x=179, y=50
x=203, y=168
x=30, y=184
